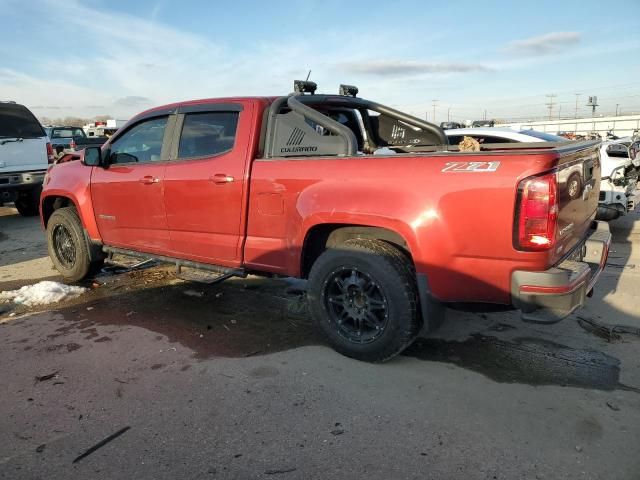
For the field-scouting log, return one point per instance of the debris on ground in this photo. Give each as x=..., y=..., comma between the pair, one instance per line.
x=44, y=378
x=608, y=332
x=277, y=471
x=337, y=431
x=40, y=448
x=42, y=293
x=193, y=293
x=613, y=406
x=100, y=444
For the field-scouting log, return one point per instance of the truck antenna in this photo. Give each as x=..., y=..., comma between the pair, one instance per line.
x=308, y=75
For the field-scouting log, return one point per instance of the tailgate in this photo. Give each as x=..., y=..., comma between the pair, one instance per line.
x=578, y=176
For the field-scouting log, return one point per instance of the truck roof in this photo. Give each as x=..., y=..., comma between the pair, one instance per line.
x=202, y=101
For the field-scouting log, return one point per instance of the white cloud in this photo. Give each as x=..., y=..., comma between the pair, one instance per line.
x=549, y=43
x=408, y=67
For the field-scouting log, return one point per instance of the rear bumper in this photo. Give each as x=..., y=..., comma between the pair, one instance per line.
x=21, y=179
x=12, y=183
x=551, y=295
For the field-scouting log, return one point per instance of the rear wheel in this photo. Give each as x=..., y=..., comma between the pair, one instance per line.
x=363, y=297
x=67, y=245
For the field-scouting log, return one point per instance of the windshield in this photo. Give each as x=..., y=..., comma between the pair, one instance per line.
x=67, y=132
x=547, y=137
x=16, y=121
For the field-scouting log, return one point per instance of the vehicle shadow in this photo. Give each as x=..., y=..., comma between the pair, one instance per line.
x=17, y=244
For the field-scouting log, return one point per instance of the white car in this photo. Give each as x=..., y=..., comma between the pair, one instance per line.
x=619, y=192
x=25, y=154
x=500, y=135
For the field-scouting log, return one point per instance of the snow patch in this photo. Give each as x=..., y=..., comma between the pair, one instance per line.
x=42, y=293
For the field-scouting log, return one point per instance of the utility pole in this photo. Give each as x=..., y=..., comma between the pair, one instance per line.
x=449, y=114
x=549, y=104
x=617, y=105
x=577, y=98
x=559, y=111
x=434, y=110
x=593, y=103
x=485, y=115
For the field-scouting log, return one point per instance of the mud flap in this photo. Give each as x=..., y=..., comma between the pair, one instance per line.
x=432, y=311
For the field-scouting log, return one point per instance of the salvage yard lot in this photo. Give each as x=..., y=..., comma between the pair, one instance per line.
x=231, y=381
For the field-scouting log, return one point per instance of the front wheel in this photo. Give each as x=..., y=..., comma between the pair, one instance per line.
x=362, y=295
x=67, y=246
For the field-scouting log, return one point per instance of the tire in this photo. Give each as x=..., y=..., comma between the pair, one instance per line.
x=363, y=298
x=28, y=203
x=67, y=245
x=574, y=186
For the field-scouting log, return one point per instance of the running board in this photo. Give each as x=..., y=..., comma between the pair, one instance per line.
x=224, y=272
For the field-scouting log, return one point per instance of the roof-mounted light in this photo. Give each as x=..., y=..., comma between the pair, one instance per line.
x=348, y=90
x=304, y=86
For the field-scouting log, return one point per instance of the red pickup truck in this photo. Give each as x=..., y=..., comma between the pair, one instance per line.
x=386, y=220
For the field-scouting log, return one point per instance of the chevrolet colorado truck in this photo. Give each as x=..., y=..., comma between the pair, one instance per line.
x=292, y=186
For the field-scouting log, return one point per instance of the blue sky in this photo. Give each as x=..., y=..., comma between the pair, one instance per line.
x=93, y=57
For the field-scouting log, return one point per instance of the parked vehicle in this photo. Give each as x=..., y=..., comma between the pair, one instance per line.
x=483, y=123
x=450, y=125
x=25, y=154
x=103, y=128
x=500, y=135
x=619, y=193
x=71, y=139
x=289, y=186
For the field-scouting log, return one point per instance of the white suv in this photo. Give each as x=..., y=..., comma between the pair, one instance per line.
x=25, y=154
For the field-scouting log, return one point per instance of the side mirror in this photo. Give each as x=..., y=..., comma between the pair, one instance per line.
x=93, y=156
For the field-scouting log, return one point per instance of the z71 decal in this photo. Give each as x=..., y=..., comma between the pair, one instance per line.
x=476, y=167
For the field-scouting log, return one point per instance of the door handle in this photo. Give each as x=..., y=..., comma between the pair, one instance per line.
x=221, y=178
x=148, y=180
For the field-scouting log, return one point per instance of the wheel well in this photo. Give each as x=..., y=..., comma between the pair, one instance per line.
x=321, y=237
x=51, y=204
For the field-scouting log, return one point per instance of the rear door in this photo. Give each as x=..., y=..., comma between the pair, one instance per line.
x=128, y=195
x=204, y=185
x=23, y=142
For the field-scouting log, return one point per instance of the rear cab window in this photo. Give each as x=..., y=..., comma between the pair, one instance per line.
x=205, y=134
x=16, y=121
x=66, y=132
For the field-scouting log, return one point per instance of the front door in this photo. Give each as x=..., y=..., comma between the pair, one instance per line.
x=204, y=185
x=128, y=194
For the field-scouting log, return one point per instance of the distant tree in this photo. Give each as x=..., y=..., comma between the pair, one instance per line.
x=74, y=121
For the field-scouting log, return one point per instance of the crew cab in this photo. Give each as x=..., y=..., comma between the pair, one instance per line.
x=292, y=186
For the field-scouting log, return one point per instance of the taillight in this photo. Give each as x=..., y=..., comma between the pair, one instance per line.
x=72, y=144
x=50, y=157
x=537, y=213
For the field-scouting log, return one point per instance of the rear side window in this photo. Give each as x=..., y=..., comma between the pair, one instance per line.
x=208, y=133
x=16, y=121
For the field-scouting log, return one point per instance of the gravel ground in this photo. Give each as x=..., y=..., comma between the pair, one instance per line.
x=170, y=379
